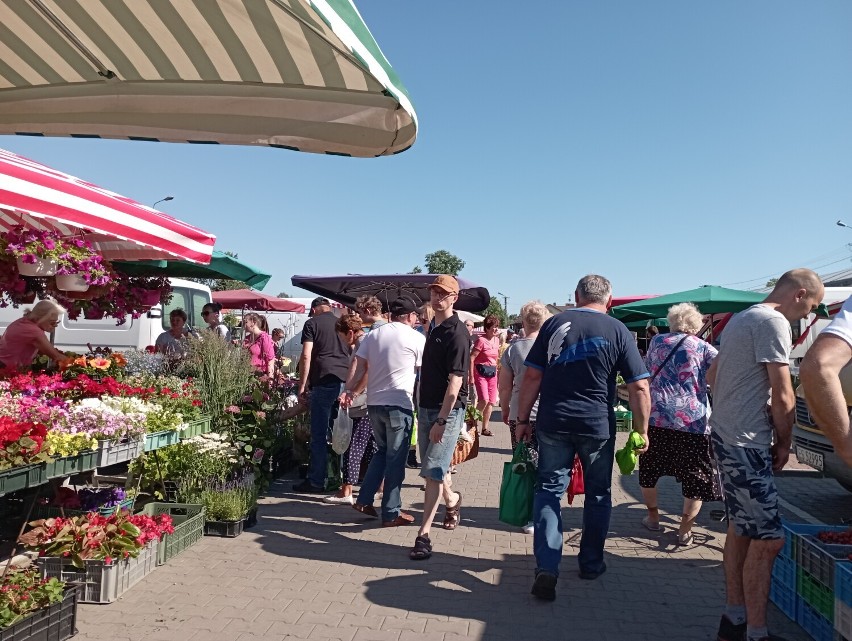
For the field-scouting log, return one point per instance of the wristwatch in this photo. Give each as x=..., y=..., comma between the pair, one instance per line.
x=523, y=421
x=441, y=421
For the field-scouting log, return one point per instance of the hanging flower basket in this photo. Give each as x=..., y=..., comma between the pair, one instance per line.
x=71, y=282
x=149, y=297
x=92, y=313
x=41, y=267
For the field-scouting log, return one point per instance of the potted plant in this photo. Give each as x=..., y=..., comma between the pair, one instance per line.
x=21, y=454
x=28, y=602
x=36, y=251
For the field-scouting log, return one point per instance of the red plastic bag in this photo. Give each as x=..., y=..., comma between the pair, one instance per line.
x=576, y=486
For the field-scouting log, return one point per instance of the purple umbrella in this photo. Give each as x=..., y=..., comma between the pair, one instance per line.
x=345, y=289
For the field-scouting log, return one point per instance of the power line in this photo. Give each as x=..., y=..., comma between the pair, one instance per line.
x=847, y=247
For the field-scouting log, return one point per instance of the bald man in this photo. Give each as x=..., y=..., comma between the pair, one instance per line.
x=751, y=439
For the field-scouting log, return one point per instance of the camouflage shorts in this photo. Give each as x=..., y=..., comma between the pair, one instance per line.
x=749, y=488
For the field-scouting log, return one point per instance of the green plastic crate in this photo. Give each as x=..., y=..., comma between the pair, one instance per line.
x=68, y=465
x=188, y=521
x=623, y=421
x=196, y=428
x=20, y=478
x=157, y=440
x=815, y=594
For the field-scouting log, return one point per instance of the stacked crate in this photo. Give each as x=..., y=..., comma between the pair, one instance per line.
x=843, y=602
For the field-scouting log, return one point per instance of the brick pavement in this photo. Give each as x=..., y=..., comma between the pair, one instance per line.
x=313, y=571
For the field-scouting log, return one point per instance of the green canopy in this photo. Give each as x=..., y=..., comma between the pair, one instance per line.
x=709, y=299
x=221, y=266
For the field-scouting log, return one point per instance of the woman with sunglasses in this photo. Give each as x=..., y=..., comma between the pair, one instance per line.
x=211, y=313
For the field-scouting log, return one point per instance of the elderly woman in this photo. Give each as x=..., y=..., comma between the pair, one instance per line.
x=483, y=370
x=259, y=344
x=678, y=426
x=173, y=342
x=212, y=315
x=24, y=339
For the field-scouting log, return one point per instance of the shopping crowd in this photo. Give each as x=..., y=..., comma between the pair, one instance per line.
x=413, y=373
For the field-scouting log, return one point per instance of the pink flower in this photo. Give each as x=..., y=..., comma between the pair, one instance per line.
x=232, y=409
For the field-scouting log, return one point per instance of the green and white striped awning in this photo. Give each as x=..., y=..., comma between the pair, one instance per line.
x=301, y=75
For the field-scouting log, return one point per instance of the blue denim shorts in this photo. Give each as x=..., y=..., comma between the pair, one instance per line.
x=749, y=488
x=437, y=457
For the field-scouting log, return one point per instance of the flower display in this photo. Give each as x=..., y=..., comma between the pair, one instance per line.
x=23, y=592
x=127, y=296
x=96, y=418
x=31, y=244
x=96, y=365
x=21, y=443
x=96, y=537
x=144, y=363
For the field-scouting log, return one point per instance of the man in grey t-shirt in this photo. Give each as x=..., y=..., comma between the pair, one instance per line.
x=752, y=427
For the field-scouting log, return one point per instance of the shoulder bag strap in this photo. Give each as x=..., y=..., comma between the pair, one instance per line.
x=671, y=353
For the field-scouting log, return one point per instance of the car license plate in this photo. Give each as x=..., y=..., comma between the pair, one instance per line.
x=808, y=457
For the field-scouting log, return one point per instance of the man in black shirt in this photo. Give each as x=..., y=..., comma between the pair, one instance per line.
x=443, y=396
x=323, y=367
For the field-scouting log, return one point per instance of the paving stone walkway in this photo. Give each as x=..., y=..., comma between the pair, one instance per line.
x=314, y=571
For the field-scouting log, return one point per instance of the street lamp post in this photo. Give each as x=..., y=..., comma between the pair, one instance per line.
x=505, y=305
x=162, y=200
x=840, y=223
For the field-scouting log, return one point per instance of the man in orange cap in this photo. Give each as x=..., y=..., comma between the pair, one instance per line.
x=443, y=397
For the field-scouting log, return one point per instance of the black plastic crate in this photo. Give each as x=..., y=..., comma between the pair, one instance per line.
x=55, y=623
x=251, y=519
x=227, y=529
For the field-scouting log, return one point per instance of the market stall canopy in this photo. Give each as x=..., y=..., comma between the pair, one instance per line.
x=38, y=197
x=250, y=299
x=389, y=287
x=221, y=266
x=709, y=299
x=297, y=74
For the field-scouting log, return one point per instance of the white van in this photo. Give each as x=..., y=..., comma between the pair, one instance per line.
x=76, y=335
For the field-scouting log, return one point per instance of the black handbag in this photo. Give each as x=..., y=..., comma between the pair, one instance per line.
x=486, y=371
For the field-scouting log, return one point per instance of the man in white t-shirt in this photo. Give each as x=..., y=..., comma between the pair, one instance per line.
x=388, y=358
x=820, y=376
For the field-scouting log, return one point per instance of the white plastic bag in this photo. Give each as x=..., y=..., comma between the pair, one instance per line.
x=341, y=432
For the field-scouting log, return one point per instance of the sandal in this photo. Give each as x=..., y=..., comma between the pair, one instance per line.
x=654, y=526
x=452, y=515
x=685, y=541
x=422, y=549
x=486, y=432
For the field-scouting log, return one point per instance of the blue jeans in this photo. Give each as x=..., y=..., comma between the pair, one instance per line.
x=555, y=462
x=323, y=399
x=392, y=427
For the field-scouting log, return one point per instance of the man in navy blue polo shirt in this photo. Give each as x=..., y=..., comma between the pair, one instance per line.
x=572, y=366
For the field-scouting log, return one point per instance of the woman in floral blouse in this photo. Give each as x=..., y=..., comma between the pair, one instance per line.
x=678, y=426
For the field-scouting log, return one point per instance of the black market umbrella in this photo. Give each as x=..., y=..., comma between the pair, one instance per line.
x=221, y=266
x=388, y=287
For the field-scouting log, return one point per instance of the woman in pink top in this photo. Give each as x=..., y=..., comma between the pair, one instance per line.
x=259, y=344
x=24, y=339
x=483, y=370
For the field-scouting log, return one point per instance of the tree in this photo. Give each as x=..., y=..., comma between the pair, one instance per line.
x=496, y=308
x=771, y=282
x=443, y=262
x=283, y=295
x=416, y=270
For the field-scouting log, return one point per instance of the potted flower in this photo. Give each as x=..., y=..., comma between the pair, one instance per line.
x=79, y=266
x=36, y=251
x=106, y=553
x=27, y=602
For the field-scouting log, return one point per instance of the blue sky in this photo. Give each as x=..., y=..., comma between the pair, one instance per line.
x=664, y=144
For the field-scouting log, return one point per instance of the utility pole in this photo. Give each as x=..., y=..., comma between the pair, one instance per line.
x=505, y=305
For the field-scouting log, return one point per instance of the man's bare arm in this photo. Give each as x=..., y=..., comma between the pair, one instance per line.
x=305, y=366
x=820, y=376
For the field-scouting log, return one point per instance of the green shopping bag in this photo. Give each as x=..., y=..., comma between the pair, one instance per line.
x=518, y=488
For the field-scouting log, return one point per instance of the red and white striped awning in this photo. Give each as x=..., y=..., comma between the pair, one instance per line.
x=38, y=197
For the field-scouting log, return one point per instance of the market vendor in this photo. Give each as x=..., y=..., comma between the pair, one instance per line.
x=173, y=342
x=24, y=339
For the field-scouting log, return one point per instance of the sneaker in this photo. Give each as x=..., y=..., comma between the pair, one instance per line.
x=544, y=586
x=305, y=487
x=412, y=460
x=529, y=528
x=730, y=632
x=340, y=500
